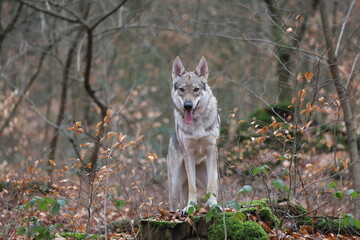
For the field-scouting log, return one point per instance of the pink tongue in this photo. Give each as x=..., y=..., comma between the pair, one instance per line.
x=188, y=117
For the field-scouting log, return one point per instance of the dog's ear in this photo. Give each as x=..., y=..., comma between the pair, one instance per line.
x=202, y=68
x=177, y=68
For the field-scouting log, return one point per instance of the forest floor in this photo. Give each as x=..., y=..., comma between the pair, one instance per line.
x=123, y=194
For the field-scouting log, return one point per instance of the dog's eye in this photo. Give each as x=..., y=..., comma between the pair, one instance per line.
x=196, y=89
x=181, y=89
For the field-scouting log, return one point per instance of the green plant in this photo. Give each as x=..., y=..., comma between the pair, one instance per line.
x=33, y=227
x=44, y=204
x=214, y=209
x=36, y=229
x=73, y=235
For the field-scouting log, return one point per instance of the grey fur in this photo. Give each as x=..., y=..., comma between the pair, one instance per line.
x=192, y=155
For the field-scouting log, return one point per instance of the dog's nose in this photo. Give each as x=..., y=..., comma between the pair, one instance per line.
x=188, y=105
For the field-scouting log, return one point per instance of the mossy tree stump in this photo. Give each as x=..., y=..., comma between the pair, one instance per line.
x=240, y=224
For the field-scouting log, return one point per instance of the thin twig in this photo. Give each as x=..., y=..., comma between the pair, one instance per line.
x=79, y=19
x=28, y=86
x=219, y=35
x=107, y=15
x=259, y=97
x=343, y=28
x=351, y=75
x=54, y=14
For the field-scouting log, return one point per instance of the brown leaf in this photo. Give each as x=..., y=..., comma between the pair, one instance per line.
x=308, y=76
x=295, y=234
x=306, y=229
x=266, y=227
x=299, y=78
x=163, y=212
x=52, y=163
x=331, y=236
x=345, y=164
x=260, y=139
x=189, y=220
x=262, y=130
x=251, y=217
x=202, y=210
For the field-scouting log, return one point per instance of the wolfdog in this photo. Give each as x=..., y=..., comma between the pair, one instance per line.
x=192, y=155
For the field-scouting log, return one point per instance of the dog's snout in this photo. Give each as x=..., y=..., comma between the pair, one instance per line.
x=188, y=105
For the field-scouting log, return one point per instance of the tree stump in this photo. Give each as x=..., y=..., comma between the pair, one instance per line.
x=239, y=224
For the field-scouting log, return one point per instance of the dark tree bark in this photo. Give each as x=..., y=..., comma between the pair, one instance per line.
x=344, y=101
x=63, y=99
x=5, y=30
x=62, y=108
x=283, y=52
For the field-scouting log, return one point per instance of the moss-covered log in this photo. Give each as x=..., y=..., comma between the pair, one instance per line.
x=237, y=225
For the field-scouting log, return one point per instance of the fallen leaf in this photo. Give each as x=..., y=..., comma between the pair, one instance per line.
x=189, y=220
x=266, y=227
x=308, y=76
x=163, y=212
x=306, y=229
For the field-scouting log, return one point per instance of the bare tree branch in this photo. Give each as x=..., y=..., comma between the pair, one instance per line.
x=351, y=75
x=344, y=100
x=219, y=35
x=10, y=26
x=28, y=86
x=54, y=14
x=54, y=125
x=107, y=15
x=78, y=18
x=343, y=27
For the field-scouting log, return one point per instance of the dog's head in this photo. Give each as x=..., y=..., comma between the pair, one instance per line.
x=189, y=88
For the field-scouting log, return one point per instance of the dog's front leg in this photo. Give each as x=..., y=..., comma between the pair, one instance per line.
x=212, y=172
x=191, y=176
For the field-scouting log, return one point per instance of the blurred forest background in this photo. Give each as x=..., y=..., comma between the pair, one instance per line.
x=86, y=113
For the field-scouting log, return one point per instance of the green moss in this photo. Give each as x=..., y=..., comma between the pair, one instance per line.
x=236, y=229
x=79, y=235
x=261, y=203
x=265, y=213
x=196, y=218
x=304, y=219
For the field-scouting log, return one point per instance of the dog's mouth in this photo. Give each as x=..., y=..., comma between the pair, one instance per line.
x=188, y=116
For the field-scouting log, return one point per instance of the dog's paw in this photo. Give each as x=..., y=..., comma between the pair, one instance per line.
x=189, y=209
x=212, y=203
x=216, y=205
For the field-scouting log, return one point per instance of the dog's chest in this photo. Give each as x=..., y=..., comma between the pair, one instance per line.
x=198, y=149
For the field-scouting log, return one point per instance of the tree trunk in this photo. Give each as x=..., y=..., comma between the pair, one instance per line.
x=344, y=101
x=283, y=53
x=60, y=116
